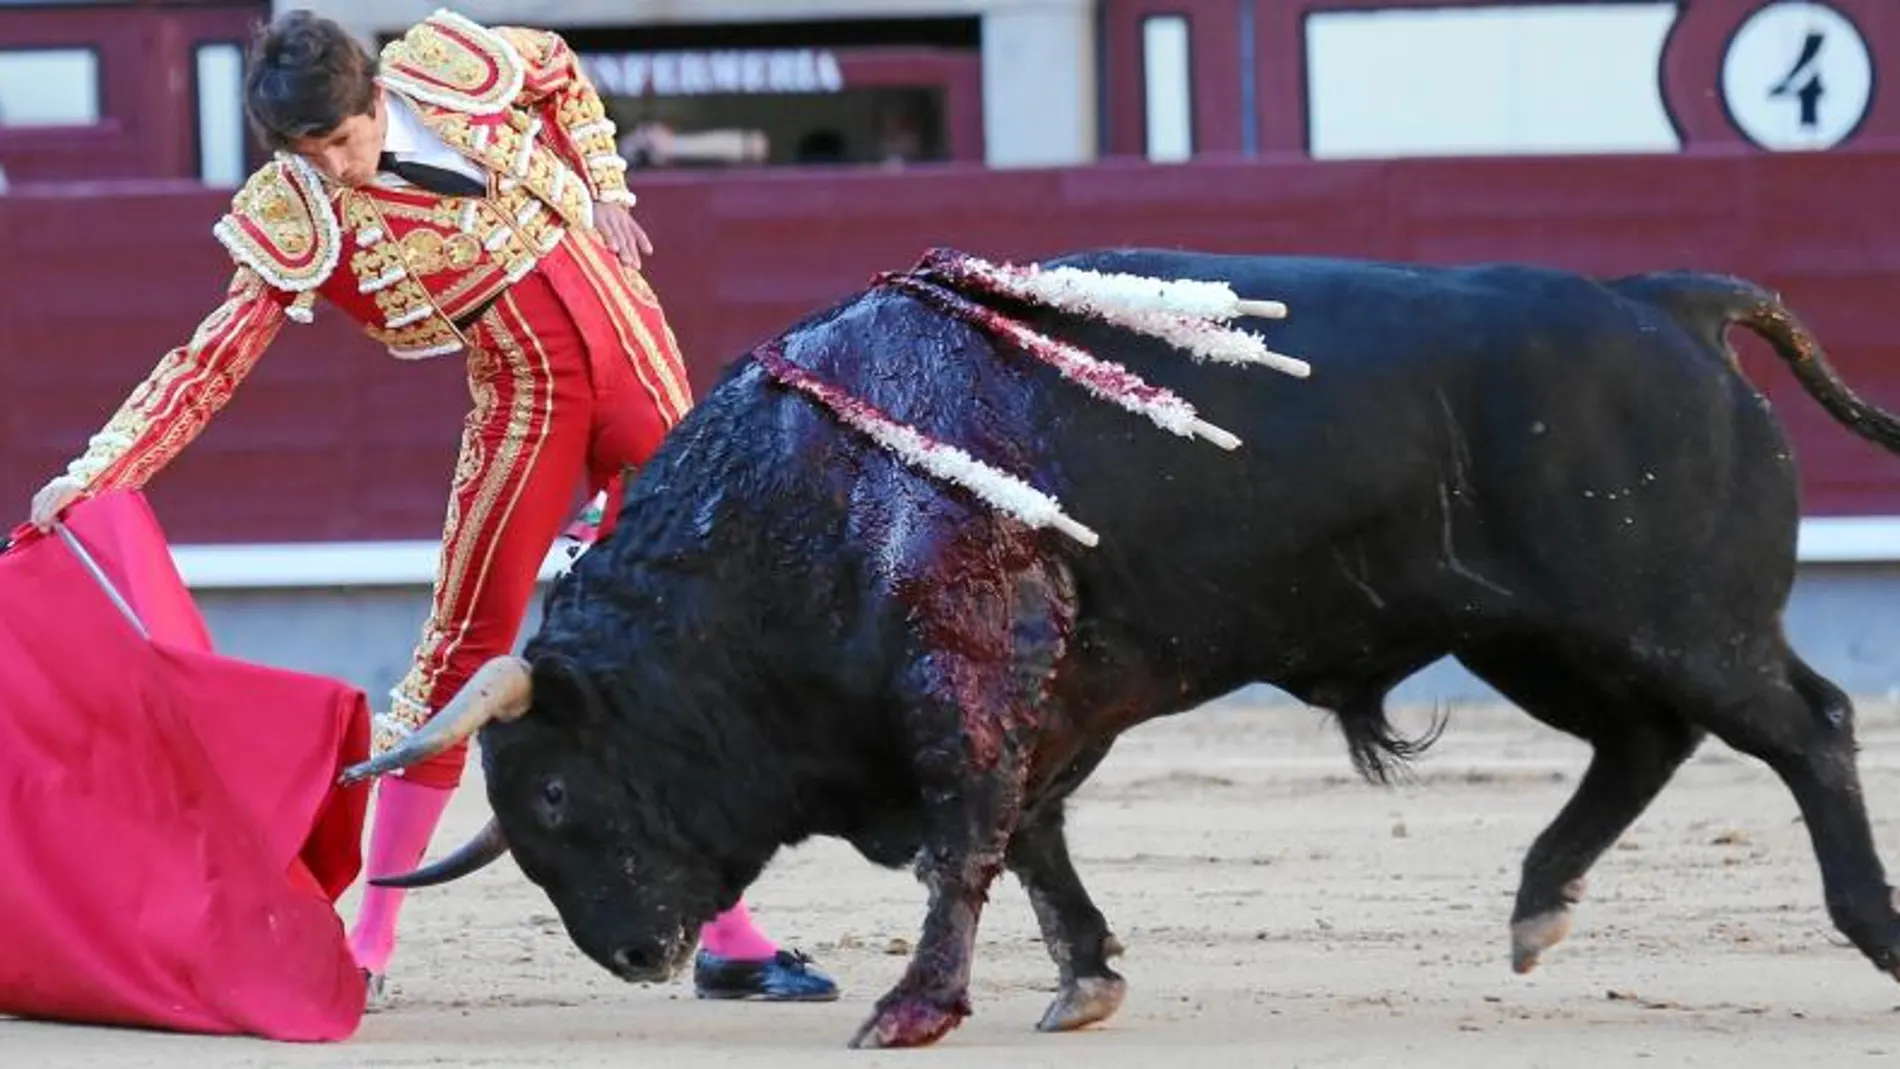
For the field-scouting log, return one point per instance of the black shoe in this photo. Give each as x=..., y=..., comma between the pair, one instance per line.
x=788, y=976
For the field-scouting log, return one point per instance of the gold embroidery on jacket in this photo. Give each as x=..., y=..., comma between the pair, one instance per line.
x=510, y=150
x=282, y=226
x=421, y=259
x=451, y=62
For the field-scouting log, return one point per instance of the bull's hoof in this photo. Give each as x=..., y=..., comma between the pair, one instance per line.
x=1532, y=936
x=910, y=1021
x=1084, y=1002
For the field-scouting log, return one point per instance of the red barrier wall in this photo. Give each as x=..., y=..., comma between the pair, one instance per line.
x=332, y=439
x=148, y=111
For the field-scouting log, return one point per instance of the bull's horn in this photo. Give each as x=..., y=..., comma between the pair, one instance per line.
x=500, y=690
x=487, y=845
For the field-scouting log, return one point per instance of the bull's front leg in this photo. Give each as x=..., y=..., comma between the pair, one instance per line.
x=970, y=825
x=975, y=695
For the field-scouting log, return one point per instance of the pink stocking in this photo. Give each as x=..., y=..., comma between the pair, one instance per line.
x=731, y=935
x=406, y=815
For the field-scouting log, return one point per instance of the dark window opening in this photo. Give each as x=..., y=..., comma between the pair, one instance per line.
x=957, y=33
x=774, y=93
x=712, y=95
x=863, y=126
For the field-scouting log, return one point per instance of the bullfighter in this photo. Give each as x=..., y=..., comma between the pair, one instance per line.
x=459, y=193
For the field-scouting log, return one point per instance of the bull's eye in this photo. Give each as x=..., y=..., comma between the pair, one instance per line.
x=553, y=793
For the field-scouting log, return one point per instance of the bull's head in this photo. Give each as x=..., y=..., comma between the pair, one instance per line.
x=583, y=809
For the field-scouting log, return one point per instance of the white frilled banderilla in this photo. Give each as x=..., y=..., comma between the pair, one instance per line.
x=1189, y=314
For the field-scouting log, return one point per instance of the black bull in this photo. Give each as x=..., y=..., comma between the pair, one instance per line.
x=1565, y=484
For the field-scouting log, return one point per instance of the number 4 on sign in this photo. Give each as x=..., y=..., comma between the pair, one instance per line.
x=1809, y=94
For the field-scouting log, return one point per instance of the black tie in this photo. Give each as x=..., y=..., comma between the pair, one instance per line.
x=434, y=179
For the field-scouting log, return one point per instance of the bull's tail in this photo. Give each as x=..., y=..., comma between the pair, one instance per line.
x=1379, y=753
x=1710, y=304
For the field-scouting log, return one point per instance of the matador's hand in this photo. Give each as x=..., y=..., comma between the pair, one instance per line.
x=53, y=499
x=622, y=234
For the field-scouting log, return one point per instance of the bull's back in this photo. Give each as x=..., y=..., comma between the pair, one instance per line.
x=1419, y=373
x=1475, y=445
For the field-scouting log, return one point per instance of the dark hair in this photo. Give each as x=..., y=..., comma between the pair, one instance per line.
x=306, y=75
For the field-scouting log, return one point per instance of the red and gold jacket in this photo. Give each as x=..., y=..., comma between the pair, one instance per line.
x=405, y=263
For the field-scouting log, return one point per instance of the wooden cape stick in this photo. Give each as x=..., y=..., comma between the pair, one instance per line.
x=99, y=575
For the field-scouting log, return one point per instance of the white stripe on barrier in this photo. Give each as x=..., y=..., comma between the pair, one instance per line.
x=260, y=566
x=1849, y=540
x=257, y=566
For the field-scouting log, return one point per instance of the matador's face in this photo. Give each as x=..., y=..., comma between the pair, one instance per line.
x=347, y=155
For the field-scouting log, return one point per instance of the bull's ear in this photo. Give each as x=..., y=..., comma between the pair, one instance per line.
x=562, y=693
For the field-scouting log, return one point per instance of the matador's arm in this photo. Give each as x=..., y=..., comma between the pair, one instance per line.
x=190, y=384
x=556, y=85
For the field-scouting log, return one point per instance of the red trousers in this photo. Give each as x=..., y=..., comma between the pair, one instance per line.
x=575, y=378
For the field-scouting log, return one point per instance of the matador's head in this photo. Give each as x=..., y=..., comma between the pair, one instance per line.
x=311, y=90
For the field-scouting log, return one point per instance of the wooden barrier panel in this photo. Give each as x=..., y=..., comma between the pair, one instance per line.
x=333, y=440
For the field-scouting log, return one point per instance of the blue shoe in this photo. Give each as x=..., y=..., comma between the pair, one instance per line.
x=788, y=976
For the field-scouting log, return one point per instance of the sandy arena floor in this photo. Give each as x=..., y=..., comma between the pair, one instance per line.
x=1277, y=912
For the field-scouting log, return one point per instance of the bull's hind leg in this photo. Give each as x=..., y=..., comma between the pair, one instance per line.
x=1073, y=928
x=1638, y=744
x=1802, y=727
x=974, y=691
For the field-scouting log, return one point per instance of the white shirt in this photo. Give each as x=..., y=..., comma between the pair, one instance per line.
x=409, y=140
